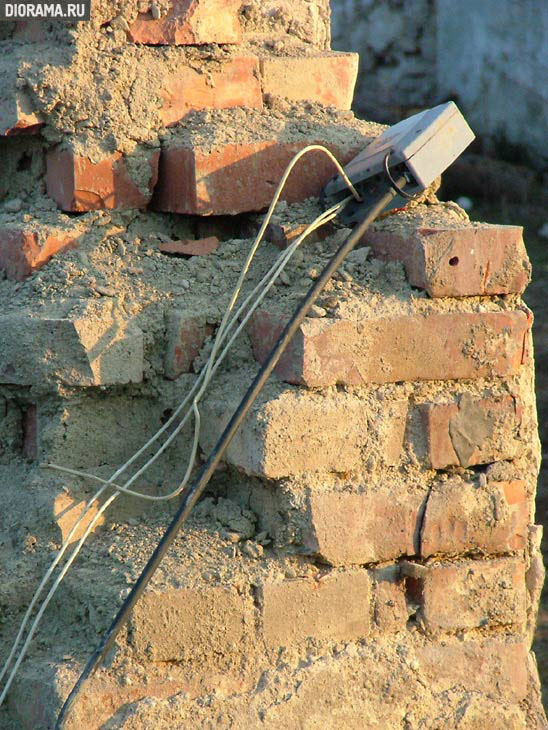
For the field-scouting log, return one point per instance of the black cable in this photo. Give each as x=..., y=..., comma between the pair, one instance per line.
x=191, y=496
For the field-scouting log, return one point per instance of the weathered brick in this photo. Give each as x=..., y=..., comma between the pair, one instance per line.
x=455, y=262
x=327, y=78
x=239, y=177
x=335, y=607
x=190, y=22
x=235, y=84
x=17, y=113
x=185, y=337
x=295, y=432
x=84, y=351
x=66, y=512
x=168, y=625
x=496, y=668
x=77, y=184
x=461, y=517
x=79, y=433
x=191, y=247
x=346, y=528
x=474, y=593
x=471, y=430
x=24, y=251
x=390, y=612
x=434, y=346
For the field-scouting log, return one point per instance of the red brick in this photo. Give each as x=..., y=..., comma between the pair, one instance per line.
x=327, y=78
x=461, y=517
x=368, y=527
x=24, y=251
x=471, y=431
x=336, y=607
x=190, y=247
x=190, y=22
x=391, y=349
x=493, y=667
x=474, y=593
x=77, y=184
x=186, y=335
x=456, y=262
x=235, y=84
x=236, y=178
x=17, y=115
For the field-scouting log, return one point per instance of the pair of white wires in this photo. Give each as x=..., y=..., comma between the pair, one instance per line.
x=230, y=327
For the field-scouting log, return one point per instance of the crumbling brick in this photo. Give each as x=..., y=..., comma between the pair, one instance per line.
x=66, y=512
x=335, y=607
x=295, y=433
x=471, y=431
x=190, y=22
x=390, y=610
x=495, y=667
x=356, y=528
x=168, y=625
x=462, y=517
x=235, y=84
x=478, y=260
x=391, y=349
x=24, y=251
x=17, y=114
x=235, y=178
x=77, y=184
x=185, y=337
x=327, y=78
x=191, y=247
x=474, y=593
x=80, y=352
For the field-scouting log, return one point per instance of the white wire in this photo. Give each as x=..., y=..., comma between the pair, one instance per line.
x=271, y=277
x=211, y=367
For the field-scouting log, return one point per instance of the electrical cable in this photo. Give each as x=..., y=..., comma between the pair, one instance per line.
x=393, y=184
x=277, y=269
x=192, y=495
x=211, y=368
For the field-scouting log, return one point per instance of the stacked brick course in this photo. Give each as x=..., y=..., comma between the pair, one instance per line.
x=367, y=554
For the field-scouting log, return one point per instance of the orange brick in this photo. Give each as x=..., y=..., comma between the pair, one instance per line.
x=474, y=593
x=77, y=184
x=456, y=262
x=235, y=84
x=327, y=78
x=461, y=517
x=236, y=177
x=190, y=22
x=336, y=607
x=390, y=349
x=471, y=431
x=369, y=527
x=24, y=251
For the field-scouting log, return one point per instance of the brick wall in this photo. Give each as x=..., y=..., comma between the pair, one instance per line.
x=366, y=556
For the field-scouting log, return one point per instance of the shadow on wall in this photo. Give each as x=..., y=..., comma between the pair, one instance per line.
x=420, y=53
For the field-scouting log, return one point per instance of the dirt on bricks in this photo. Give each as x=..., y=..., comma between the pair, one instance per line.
x=365, y=554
